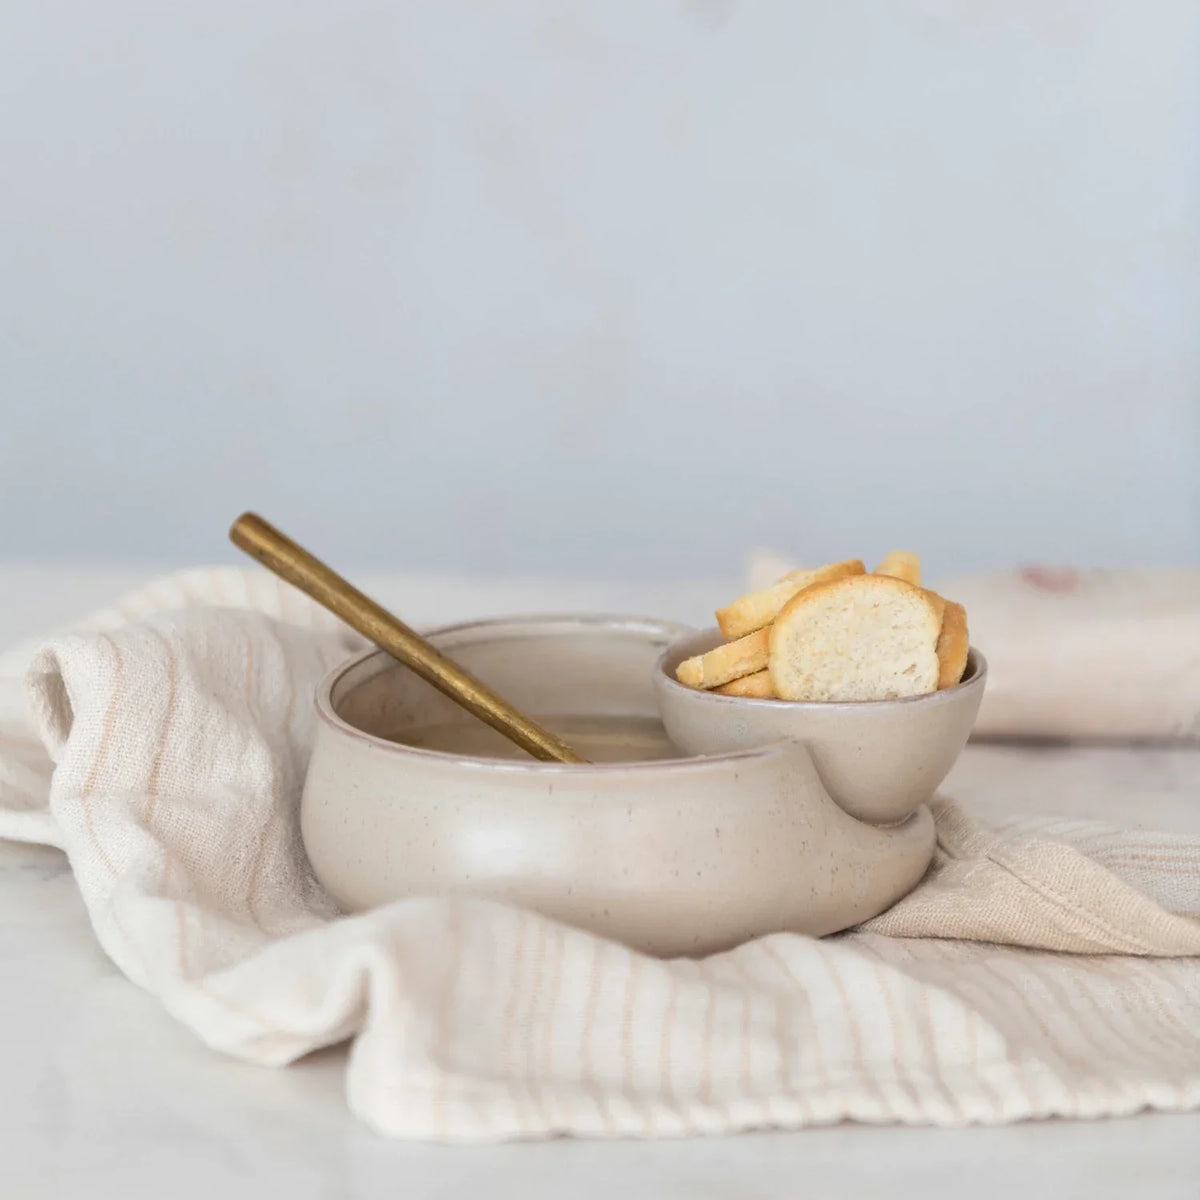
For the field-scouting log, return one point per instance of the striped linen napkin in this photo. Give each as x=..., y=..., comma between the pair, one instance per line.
x=1044, y=968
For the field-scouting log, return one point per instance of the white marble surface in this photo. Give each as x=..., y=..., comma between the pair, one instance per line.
x=102, y=1094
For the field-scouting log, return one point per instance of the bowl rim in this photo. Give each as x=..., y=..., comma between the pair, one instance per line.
x=974, y=677
x=530, y=623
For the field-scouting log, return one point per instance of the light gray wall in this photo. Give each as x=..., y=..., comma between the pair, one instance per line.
x=601, y=287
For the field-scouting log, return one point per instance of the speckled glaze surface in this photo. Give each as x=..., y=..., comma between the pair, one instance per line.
x=674, y=857
x=880, y=760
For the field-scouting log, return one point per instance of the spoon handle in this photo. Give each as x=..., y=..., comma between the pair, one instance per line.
x=278, y=553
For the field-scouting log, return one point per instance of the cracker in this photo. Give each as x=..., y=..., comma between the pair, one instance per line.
x=953, y=646
x=757, y=686
x=901, y=564
x=758, y=609
x=865, y=637
x=723, y=664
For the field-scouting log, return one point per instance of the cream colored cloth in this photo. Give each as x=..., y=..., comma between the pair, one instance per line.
x=178, y=726
x=1111, y=654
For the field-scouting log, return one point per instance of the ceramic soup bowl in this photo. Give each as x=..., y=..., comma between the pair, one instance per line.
x=880, y=759
x=673, y=856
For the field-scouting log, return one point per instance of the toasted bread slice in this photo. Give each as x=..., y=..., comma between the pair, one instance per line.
x=757, y=686
x=758, y=609
x=901, y=564
x=953, y=645
x=865, y=637
x=726, y=663
x=939, y=604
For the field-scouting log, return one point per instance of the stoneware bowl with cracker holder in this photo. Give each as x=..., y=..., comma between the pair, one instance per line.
x=524, y=760
x=409, y=795
x=879, y=759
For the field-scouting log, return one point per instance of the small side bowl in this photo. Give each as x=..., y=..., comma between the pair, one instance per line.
x=880, y=759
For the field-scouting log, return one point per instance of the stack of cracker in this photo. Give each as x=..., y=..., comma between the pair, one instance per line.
x=836, y=633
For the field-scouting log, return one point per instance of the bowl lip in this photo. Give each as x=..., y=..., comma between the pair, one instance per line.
x=664, y=679
x=518, y=624
x=537, y=622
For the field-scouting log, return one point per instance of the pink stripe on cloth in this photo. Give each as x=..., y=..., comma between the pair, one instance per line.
x=100, y=751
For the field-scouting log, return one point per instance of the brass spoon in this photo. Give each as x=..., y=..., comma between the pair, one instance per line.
x=278, y=553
